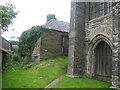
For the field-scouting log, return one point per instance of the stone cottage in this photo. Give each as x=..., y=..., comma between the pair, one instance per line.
x=94, y=41
x=53, y=42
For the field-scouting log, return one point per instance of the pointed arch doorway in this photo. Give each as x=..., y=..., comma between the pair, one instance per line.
x=103, y=61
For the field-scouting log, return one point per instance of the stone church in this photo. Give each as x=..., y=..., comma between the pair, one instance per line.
x=94, y=41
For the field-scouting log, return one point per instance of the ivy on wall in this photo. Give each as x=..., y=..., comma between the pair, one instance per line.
x=28, y=39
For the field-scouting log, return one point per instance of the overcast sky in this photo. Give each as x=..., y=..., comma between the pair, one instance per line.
x=34, y=12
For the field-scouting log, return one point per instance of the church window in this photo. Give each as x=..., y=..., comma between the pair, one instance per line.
x=100, y=8
x=109, y=6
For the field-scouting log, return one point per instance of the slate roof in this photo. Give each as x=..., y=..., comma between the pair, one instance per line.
x=57, y=25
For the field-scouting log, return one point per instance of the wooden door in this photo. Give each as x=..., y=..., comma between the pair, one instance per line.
x=103, y=61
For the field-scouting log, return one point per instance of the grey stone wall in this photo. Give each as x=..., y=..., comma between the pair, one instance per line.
x=76, y=65
x=102, y=25
x=0, y=69
x=0, y=53
x=106, y=28
x=86, y=35
x=116, y=46
x=52, y=44
x=36, y=51
x=0, y=63
x=97, y=30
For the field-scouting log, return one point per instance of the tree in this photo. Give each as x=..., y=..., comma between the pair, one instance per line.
x=7, y=13
x=50, y=16
x=14, y=42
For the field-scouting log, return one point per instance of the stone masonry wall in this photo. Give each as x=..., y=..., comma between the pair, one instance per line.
x=77, y=61
x=116, y=46
x=102, y=25
x=36, y=51
x=108, y=26
x=99, y=29
x=51, y=44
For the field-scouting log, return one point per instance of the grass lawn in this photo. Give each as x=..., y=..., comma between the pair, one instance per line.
x=68, y=82
x=35, y=75
x=39, y=75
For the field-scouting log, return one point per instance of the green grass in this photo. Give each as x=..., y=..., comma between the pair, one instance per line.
x=68, y=82
x=35, y=75
x=39, y=75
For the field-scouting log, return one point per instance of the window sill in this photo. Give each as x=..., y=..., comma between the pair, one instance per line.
x=101, y=17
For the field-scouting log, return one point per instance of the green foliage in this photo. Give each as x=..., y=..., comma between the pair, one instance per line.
x=13, y=60
x=28, y=39
x=15, y=57
x=14, y=42
x=50, y=16
x=7, y=13
x=11, y=57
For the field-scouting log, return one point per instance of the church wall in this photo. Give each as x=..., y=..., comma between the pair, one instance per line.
x=100, y=25
x=116, y=46
x=104, y=28
x=77, y=62
x=99, y=29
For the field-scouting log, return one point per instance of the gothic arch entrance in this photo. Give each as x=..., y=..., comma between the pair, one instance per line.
x=103, y=61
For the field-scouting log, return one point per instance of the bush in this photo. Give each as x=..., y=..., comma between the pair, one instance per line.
x=8, y=57
x=15, y=57
x=11, y=57
x=14, y=60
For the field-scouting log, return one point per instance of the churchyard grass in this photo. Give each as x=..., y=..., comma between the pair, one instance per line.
x=40, y=74
x=84, y=82
x=35, y=75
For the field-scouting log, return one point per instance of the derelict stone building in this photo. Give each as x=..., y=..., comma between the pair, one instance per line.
x=94, y=41
x=53, y=42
